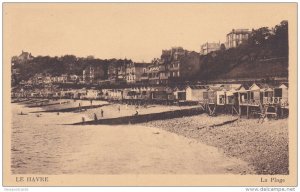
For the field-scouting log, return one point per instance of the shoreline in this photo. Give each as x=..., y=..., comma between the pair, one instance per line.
x=107, y=149
x=263, y=145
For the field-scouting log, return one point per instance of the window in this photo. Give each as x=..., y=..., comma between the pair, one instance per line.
x=277, y=92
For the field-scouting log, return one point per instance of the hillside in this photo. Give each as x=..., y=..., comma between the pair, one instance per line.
x=263, y=55
x=275, y=67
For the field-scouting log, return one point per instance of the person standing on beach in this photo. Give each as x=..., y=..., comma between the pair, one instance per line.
x=79, y=107
x=95, y=117
x=102, y=112
x=119, y=108
x=136, y=113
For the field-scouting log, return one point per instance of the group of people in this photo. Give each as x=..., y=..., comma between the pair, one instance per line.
x=95, y=115
x=119, y=109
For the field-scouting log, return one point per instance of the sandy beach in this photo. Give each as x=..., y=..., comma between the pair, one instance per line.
x=44, y=145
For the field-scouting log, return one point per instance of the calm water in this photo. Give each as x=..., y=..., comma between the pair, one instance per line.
x=43, y=145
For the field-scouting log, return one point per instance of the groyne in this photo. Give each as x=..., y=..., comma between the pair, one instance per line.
x=144, y=117
x=72, y=109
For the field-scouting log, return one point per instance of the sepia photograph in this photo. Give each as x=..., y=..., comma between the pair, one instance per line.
x=150, y=94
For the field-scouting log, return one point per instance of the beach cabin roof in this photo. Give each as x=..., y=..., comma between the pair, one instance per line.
x=217, y=85
x=179, y=88
x=158, y=88
x=197, y=86
x=268, y=89
x=233, y=87
x=258, y=86
x=167, y=88
x=243, y=89
x=261, y=86
x=284, y=86
x=213, y=88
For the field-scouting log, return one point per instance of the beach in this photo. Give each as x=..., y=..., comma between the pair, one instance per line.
x=263, y=145
x=45, y=145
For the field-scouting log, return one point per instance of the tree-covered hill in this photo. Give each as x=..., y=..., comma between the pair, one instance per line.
x=264, y=54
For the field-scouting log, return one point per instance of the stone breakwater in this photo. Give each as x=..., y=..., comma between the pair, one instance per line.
x=133, y=119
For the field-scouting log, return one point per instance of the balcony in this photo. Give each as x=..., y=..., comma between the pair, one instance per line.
x=174, y=67
x=144, y=78
x=153, y=78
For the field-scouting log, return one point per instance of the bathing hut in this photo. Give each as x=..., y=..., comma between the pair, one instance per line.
x=159, y=93
x=80, y=94
x=129, y=94
x=92, y=94
x=195, y=92
x=232, y=93
x=145, y=93
x=170, y=94
x=255, y=94
x=281, y=95
x=213, y=94
x=180, y=93
x=115, y=94
x=221, y=97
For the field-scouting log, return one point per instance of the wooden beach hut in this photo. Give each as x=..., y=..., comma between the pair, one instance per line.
x=180, y=93
x=213, y=93
x=145, y=93
x=159, y=93
x=256, y=93
x=231, y=93
x=281, y=95
x=195, y=92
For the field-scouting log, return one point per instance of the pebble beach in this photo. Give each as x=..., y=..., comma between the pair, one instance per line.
x=263, y=145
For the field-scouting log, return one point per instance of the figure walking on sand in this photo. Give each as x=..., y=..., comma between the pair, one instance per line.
x=136, y=113
x=119, y=108
x=79, y=107
x=95, y=117
x=102, y=112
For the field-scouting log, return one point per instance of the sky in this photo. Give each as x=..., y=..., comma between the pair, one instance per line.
x=128, y=30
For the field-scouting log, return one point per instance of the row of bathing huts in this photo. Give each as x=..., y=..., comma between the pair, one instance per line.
x=233, y=98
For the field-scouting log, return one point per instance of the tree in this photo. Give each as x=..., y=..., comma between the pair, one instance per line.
x=260, y=37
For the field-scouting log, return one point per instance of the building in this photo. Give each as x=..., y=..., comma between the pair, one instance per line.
x=170, y=62
x=153, y=74
x=23, y=57
x=112, y=72
x=92, y=74
x=195, y=92
x=88, y=74
x=136, y=72
x=74, y=78
x=179, y=64
x=121, y=72
x=237, y=37
x=209, y=47
x=63, y=78
x=117, y=71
